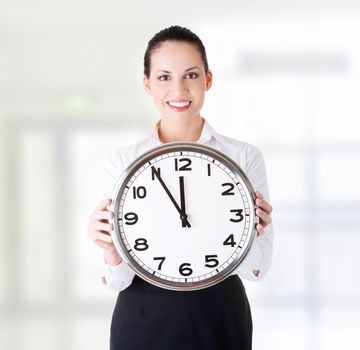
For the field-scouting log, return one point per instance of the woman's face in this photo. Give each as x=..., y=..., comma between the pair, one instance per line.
x=177, y=81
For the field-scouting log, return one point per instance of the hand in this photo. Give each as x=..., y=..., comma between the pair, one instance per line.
x=99, y=232
x=263, y=211
x=183, y=216
x=182, y=201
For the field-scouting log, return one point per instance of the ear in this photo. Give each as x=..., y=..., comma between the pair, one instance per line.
x=209, y=79
x=147, y=86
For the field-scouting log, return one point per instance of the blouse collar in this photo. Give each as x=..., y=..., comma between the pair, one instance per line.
x=207, y=133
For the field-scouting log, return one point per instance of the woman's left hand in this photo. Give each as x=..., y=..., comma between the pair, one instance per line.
x=263, y=212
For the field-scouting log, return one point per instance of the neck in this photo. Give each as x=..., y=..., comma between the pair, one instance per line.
x=170, y=131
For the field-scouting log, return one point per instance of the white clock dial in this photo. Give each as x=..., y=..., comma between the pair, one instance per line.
x=184, y=216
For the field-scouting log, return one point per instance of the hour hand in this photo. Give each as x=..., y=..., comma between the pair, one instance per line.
x=182, y=214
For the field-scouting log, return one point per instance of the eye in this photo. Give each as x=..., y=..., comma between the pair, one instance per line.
x=193, y=75
x=162, y=76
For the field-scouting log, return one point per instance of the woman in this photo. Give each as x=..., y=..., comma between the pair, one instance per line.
x=176, y=75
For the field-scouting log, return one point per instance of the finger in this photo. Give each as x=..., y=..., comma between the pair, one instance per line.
x=265, y=219
x=101, y=215
x=102, y=236
x=259, y=194
x=104, y=245
x=263, y=204
x=103, y=204
x=102, y=226
x=260, y=230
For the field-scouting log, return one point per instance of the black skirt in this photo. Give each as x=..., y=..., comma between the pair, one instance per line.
x=147, y=317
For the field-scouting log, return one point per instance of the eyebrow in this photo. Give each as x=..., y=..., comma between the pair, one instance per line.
x=166, y=71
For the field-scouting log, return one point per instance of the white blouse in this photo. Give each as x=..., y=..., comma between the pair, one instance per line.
x=246, y=155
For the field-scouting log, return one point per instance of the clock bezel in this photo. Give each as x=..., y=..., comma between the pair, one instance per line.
x=131, y=169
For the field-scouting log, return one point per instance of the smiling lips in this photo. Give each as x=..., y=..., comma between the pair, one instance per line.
x=179, y=105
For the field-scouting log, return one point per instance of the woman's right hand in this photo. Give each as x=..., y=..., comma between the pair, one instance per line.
x=99, y=230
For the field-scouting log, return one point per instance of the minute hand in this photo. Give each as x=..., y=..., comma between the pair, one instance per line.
x=182, y=214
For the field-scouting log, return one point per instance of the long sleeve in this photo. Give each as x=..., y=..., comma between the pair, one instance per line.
x=260, y=254
x=118, y=277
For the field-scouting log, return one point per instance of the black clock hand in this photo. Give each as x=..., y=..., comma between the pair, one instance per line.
x=182, y=214
x=182, y=200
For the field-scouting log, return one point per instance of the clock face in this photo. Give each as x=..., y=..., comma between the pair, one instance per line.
x=183, y=216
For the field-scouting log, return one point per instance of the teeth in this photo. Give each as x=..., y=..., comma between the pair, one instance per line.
x=179, y=104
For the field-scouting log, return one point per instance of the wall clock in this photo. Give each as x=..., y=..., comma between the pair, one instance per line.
x=184, y=216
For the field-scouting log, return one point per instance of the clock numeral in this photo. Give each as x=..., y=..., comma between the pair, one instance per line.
x=162, y=259
x=131, y=218
x=230, y=241
x=139, y=192
x=228, y=192
x=185, y=167
x=211, y=260
x=153, y=176
x=141, y=244
x=239, y=213
x=185, y=269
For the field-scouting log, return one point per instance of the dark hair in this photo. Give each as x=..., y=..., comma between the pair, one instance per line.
x=173, y=33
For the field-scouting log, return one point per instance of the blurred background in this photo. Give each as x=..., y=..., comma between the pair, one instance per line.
x=286, y=78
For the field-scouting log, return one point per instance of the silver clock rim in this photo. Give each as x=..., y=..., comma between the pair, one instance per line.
x=115, y=203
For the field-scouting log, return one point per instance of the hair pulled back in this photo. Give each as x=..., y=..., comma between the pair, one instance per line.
x=173, y=33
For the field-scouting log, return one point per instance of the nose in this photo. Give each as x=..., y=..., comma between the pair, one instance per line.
x=180, y=87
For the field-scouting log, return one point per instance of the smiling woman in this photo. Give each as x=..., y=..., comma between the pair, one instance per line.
x=146, y=316
x=179, y=94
